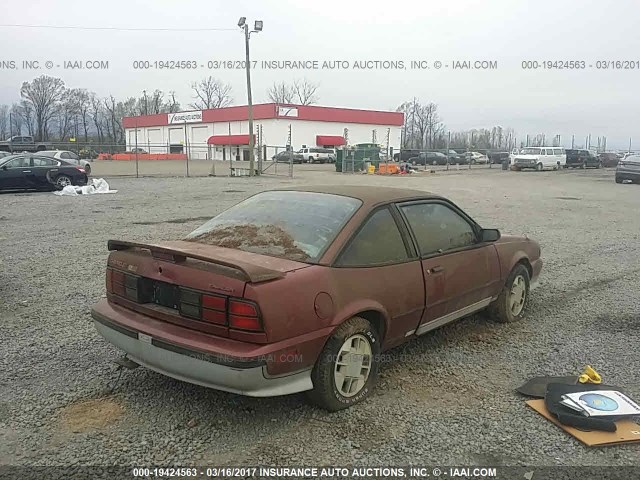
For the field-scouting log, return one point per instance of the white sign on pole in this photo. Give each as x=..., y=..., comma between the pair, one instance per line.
x=185, y=117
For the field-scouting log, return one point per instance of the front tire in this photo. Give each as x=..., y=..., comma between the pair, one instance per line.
x=87, y=170
x=512, y=301
x=618, y=180
x=347, y=369
x=539, y=167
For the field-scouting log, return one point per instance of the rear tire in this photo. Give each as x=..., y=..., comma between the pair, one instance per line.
x=618, y=180
x=347, y=369
x=539, y=167
x=62, y=181
x=512, y=302
x=87, y=169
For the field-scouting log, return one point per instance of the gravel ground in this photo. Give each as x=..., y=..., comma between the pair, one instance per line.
x=446, y=398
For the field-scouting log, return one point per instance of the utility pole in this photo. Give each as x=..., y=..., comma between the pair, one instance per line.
x=10, y=125
x=242, y=23
x=146, y=108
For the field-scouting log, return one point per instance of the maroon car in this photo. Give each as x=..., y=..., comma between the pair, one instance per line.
x=301, y=289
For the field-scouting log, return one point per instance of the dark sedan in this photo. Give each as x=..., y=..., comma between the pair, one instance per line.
x=628, y=169
x=286, y=157
x=429, y=158
x=34, y=172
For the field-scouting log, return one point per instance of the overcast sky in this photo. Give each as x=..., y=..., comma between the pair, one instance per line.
x=600, y=102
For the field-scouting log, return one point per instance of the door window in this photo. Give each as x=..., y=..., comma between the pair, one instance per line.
x=378, y=242
x=438, y=228
x=43, y=162
x=20, y=162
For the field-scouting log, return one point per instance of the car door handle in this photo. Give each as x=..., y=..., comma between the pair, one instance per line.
x=26, y=171
x=436, y=269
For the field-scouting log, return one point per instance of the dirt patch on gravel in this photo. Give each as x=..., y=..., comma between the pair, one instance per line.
x=265, y=239
x=91, y=414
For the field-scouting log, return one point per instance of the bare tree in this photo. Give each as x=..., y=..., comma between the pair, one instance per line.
x=28, y=117
x=65, y=112
x=305, y=92
x=4, y=121
x=97, y=115
x=173, y=105
x=156, y=102
x=15, y=127
x=83, y=104
x=211, y=93
x=281, y=93
x=43, y=93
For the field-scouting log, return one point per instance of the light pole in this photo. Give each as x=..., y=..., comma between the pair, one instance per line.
x=257, y=27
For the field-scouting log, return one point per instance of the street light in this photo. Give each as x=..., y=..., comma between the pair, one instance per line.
x=242, y=23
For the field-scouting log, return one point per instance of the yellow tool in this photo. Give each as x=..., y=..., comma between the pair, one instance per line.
x=589, y=375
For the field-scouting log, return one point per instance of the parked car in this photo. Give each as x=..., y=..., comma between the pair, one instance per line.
x=69, y=157
x=609, y=159
x=582, y=159
x=455, y=157
x=539, y=158
x=23, y=143
x=4, y=154
x=405, y=154
x=286, y=157
x=628, y=169
x=37, y=172
x=476, y=157
x=497, y=157
x=364, y=269
x=429, y=158
x=137, y=150
x=317, y=154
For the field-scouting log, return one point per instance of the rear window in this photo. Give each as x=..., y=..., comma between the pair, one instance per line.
x=294, y=225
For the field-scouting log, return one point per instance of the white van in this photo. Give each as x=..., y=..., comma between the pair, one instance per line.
x=540, y=158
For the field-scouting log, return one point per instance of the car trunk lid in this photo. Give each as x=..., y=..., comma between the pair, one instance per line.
x=194, y=285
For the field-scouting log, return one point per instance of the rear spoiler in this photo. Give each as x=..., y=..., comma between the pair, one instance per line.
x=173, y=253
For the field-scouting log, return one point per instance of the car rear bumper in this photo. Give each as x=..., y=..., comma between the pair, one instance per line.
x=246, y=376
x=633, y=175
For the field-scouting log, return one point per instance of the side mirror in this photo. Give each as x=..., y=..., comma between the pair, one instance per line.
x=4, y=167
x=490, y=234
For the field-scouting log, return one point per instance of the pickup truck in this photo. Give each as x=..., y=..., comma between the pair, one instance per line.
x=23, y=144
x=496, y=156
x=582, y=159
x=317, y=154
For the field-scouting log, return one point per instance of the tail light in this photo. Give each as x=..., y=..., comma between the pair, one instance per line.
x=124, y=284
x=217, y=309
x=80, y=169
x=244, y=315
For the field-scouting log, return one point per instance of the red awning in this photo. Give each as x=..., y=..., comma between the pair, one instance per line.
x=330, y=140
x=229, y=140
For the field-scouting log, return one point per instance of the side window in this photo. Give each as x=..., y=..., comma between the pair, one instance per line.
x=20, y=162
x=557, y=151
x=378, y=241
x=43, y=162
x=65, y=155
x=73, y=156
x=438, y=228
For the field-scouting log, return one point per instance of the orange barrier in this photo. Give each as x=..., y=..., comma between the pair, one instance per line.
x=388, y=168
x=142, y=156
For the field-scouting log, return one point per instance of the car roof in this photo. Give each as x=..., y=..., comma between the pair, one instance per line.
x=369, y=196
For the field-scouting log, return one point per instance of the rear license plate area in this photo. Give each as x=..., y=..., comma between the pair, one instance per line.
x=165, y=294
